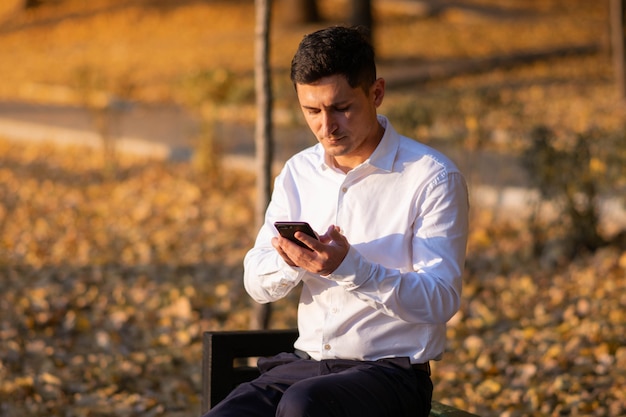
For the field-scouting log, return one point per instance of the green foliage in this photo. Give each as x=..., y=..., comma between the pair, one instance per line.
x=105, y=100
x=95, y=88
x=202, y=92
x=215, y=86
x=573, y=172
x=207, y=156
x=409, y=115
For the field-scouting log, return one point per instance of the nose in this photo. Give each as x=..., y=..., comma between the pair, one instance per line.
x=328, y=124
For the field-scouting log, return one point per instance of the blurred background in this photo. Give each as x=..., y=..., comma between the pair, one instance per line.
x=128, y=190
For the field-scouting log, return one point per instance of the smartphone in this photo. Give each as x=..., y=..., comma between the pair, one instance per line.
x=287, y=230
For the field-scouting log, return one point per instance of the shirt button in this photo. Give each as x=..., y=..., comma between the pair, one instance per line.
x=327, y=347
x=344, y=189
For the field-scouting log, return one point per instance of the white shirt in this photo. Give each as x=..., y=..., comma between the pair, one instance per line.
x=405, y=213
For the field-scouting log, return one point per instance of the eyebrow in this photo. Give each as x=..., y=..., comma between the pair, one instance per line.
x=339, y=104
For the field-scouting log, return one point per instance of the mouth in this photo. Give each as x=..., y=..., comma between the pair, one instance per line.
x=334, y=140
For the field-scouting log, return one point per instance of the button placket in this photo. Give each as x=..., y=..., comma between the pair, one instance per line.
x=343, y=194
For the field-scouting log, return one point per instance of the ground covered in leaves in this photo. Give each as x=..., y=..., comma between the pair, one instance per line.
x=110, y=275
x=111, y=269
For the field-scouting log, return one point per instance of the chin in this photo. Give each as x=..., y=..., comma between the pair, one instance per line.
x=336, y=150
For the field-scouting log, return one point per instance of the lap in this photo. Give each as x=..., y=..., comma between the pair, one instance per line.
x=291, y=386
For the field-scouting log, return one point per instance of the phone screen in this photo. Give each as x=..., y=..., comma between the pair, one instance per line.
x=288, y=229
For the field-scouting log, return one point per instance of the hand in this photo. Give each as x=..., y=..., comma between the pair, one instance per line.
x=322, y=257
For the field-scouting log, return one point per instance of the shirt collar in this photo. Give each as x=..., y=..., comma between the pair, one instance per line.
x=385, y=153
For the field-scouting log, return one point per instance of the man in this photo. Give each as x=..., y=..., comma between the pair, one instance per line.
x=385, y=275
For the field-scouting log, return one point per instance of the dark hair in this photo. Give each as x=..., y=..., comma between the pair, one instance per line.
x=336, y=50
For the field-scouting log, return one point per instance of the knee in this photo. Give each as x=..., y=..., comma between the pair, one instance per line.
x=305, y=400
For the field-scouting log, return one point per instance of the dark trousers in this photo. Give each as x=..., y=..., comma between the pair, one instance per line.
x=293, y=387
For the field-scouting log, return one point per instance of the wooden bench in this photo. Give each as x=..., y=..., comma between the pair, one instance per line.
x=224, y=363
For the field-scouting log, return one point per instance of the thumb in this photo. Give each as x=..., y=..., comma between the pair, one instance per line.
x=332, y=234
x=335, y=232
x=337, y=237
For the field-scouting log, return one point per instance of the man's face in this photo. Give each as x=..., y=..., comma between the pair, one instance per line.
x=343, y=118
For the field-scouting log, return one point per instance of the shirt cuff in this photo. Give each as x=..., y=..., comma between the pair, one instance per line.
x=286, y=279
x=353, y=271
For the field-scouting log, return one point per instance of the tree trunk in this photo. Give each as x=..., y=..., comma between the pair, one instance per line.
x=297, y=12
x=29, y=4
x=263, y=134
x=617, y=45
x=361, y=13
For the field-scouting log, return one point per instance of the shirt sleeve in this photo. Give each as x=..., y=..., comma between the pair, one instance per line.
x=267, y=277
x=431, y=291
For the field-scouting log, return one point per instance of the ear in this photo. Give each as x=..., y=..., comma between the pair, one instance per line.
x=378, y=91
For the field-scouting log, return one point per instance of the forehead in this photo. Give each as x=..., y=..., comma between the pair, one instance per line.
x=328, y=91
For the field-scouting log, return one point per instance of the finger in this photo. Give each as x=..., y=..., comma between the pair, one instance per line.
x=310, y=242
x=336, y=234
x=327, y=237
x=277, y=243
